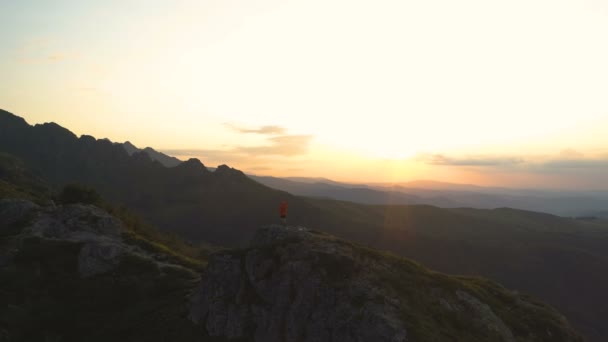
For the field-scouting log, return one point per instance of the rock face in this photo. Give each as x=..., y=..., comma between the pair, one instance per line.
x=296, y=285
x=14, y=210
x=76, y=273
x=283, y=294
x=98, y=232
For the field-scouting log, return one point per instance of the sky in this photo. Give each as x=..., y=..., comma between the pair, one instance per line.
x=501, y=93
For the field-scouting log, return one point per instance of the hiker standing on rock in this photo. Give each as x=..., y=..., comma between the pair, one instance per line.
x=283, y=212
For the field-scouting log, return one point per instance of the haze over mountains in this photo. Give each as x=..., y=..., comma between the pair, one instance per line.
x=561, y=260
x=162, y=158
x=441, y=194
x=448, y=195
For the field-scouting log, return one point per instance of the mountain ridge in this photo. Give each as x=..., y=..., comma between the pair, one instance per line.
x=162, y=158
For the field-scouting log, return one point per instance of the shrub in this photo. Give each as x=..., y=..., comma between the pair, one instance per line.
x=76, y=193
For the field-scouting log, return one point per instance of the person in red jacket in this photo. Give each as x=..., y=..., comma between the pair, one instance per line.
x=283, y=212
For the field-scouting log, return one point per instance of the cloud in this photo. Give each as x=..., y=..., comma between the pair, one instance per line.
x=567, y=161
x=576, y=164
x=570, y=153
x=441, y=159
x=284, y=145
x=45, y=58
x=259, y=168
x=57, y=57
x=277, y=147
x=267, y=130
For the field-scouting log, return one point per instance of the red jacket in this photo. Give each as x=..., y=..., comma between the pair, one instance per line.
x=283, y=208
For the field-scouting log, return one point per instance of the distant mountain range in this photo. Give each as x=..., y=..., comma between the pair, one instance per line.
x=446, y=195
x=441, y=194
x=563, y=261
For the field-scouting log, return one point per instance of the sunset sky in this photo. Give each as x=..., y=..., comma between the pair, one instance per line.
x=509, y=93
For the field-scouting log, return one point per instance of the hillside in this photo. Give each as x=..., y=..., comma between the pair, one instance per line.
x=345, y=192
x=16, y=180
x=291, y=284
x=74, y=272
x=563, y=203
x=563, y=261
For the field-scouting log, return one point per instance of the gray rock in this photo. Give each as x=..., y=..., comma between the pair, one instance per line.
x=13, y=211
x=485, y=317
x=76, y=222
x=99, y=232
x=99, y=257
x=274, y=234
x=281, y=290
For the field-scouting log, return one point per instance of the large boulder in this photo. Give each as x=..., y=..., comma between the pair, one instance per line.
x=14, y=212
x=283, y=289
x=98, y=233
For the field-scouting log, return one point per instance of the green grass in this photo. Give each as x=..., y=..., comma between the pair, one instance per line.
x=152, y=240
x=16, y=181
x=426, y=296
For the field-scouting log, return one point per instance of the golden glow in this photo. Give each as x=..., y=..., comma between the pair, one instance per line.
x=376, y=84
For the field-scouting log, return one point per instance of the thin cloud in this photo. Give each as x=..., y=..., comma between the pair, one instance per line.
x=38, y=58
x=570, y=153
x=566, y=161
x=441, y=159
x=266, y=130
x=284, y=145
x=576, y=164
x=56, y=57
x=259, y=168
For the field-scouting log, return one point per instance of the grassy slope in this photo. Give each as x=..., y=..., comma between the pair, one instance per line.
x=16, y=181
x=560, y=260
x=424, y=294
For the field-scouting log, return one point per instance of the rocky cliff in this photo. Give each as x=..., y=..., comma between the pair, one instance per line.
x=297, y=285
x=77, y=273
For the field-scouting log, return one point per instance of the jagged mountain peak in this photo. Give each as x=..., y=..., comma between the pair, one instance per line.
x=130, y=148
x=6, y=115
x=193, y=162
x=227, y=170
x=55, y=128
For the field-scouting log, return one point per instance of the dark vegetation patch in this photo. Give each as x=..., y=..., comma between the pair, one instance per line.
x=47, y=300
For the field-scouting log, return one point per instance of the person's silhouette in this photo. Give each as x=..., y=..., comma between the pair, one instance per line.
x=283, y=212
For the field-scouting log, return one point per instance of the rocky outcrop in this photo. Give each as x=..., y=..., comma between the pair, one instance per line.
x=295, y=285
x=98, y=233
x=77, y=273
x=287, y=294
x=12, y=211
